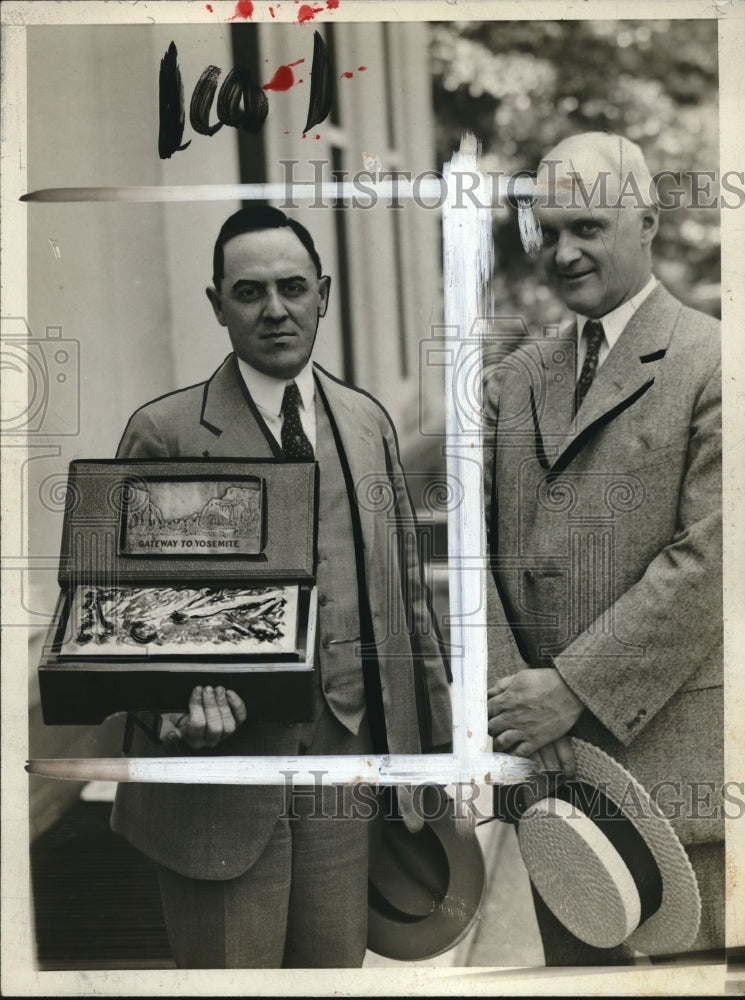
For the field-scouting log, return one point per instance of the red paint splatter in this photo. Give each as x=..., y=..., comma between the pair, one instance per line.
x=304, y=136
x=283, y=79
x=285, y=133
x=209, y=7
x=347, y=75
x=307, y=13
x=271, y=11
x=243, y=9
x=361, y=69
x=316, y=136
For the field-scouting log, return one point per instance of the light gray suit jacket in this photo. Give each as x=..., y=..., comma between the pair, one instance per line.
x=605, y=536
x=217, y=832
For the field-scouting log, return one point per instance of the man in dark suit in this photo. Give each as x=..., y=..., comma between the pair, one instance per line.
x=604, y=506
x=244, y=884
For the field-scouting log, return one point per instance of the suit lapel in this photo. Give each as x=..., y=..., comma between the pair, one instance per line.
x=231, y=415
x=556, y=394
x=628, y=371
x=360, y=438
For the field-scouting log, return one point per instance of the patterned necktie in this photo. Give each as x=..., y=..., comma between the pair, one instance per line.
x=295, y=444
x=593, y=333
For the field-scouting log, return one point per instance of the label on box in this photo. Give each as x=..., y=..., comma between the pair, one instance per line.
x=192, y=517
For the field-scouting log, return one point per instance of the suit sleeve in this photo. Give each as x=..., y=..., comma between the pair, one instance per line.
x=673, y=614
x=424, y=636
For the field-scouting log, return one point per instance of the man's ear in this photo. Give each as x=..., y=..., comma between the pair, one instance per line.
x=216, y=302
x=650, y=223
x=324, y=287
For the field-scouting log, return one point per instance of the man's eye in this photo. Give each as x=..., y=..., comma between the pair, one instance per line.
x=549, y=237
x=293, y=288
x=587, y=229
x=248, y=294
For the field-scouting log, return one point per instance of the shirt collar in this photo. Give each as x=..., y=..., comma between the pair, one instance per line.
x=615, y=321
x=268, y=392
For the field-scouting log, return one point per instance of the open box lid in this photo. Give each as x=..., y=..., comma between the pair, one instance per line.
x=164, y=519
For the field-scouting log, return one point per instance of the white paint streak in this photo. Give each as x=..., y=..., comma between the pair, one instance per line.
x=422, y=189
x=387, y=770
x=467, y=265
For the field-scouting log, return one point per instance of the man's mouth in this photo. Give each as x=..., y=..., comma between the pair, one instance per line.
x=573, y=275
x=277, y=335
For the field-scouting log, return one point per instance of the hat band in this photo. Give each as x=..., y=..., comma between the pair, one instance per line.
x=624, y=837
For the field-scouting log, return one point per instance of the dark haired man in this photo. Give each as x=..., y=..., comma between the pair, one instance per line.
x=243, y=885
x=604, y=495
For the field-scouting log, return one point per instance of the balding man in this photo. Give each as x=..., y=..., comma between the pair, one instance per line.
x=604, y=506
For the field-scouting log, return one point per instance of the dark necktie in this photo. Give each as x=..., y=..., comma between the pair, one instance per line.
x=593, y=333
x=295, y=444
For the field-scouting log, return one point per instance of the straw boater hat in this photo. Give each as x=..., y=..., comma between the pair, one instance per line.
x=607, y=864
x=425, y=888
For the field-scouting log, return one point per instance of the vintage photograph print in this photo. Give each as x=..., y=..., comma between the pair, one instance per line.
x=469, y=268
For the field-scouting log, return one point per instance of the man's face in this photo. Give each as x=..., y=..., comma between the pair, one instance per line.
x=270, y=299
x=597, y=233
x=595, y=258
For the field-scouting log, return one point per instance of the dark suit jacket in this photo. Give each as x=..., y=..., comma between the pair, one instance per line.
x=605, y=535
x=217, y=832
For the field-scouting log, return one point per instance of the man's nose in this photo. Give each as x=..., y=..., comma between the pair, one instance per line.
x=567, y=251
x=274, y=307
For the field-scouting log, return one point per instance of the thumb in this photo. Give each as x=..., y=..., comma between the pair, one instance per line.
x=170, y=731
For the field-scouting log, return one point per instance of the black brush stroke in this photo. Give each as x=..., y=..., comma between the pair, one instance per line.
x=321, y=84
x=201, y=102
x=654, y=356
x=237, y=85
x=171, y=103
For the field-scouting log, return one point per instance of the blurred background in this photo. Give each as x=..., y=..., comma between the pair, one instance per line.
x=117, y=313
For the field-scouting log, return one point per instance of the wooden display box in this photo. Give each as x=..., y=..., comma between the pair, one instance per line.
x=175, y=574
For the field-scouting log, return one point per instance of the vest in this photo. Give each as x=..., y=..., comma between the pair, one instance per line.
x=337, y=647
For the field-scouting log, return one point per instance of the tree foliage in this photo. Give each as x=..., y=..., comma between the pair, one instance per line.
x=522, y=86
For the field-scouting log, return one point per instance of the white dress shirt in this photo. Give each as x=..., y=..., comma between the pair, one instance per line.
x=614, y=324
x=268, y=392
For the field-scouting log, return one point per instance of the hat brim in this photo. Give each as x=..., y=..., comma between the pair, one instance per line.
x=674, y=925
x=416, y=915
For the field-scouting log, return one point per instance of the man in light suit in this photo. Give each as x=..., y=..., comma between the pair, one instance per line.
x=604, y=508
x=247, y=878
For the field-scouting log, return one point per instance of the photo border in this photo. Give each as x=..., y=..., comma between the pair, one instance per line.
x=19, y=975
